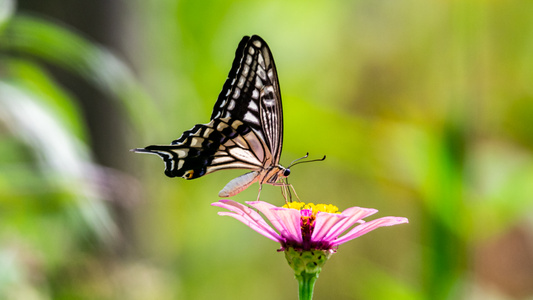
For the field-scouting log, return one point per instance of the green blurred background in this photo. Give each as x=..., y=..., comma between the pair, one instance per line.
x=423, y=108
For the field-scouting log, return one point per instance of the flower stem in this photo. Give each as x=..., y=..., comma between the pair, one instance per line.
x=306, y=284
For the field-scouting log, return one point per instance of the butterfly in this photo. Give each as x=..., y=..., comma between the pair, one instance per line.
x=245, y=131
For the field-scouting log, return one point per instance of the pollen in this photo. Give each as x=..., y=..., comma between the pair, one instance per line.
x=295, y=205
x=329, y=208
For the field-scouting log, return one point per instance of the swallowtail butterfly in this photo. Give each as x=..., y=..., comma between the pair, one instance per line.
x=245, y=131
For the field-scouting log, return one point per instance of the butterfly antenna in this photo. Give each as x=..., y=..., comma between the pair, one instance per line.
x=295, y=162
x=292, y=163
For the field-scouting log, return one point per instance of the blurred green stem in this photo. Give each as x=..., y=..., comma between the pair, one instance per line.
x=447, y=218
x=446, y=263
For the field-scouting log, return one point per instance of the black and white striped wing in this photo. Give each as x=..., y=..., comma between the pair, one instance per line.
x=223, y=143
x=252, y=94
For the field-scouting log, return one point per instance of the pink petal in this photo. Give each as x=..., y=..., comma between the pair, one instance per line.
x=258, y=229
x=367, y=227
x=291, y=220
x=285, y=220
x=354, y=216
x=263, y=207
x=249, y=217
x=324, y=222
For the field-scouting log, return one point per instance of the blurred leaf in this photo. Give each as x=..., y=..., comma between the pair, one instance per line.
x=60, y=46
x=59, y=153
x=501, y=189
x=48, y=194
x=31, y=77
x=7, y=8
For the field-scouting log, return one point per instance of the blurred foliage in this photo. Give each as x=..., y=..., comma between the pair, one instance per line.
x=51, y=191
x=423, y=109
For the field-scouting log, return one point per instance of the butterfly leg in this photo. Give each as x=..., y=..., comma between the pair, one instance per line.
x=295, y=194
x=259, y=192
x=285, y=191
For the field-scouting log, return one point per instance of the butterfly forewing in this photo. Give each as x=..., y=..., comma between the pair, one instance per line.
x=251, y=93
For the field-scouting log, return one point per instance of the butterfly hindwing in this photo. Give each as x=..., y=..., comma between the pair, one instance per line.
x=221, y=144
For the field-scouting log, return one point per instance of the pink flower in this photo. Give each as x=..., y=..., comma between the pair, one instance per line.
x=306, y=227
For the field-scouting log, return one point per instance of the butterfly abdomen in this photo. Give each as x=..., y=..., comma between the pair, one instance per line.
x=239, y=184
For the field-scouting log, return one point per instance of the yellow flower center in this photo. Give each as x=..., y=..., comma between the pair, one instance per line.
x=329, y=208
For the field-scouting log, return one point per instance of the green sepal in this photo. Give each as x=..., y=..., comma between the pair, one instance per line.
x=309, y=261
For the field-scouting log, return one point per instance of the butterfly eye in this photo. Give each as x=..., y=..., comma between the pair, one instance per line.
x=287, y=172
